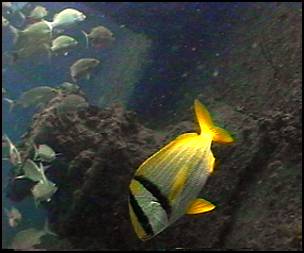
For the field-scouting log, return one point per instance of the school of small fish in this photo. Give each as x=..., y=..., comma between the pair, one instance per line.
x=36, y=33
x=42, y=191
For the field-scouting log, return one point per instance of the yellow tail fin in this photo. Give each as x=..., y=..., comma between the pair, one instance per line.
x=206, y=124
x=200, y=206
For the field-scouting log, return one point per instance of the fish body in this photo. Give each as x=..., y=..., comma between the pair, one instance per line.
x=99, y=36
x=14, y=155
x=69, y=87
x=33, y=40
x=43, y=191
x=67, y=18
x=82, y=68
x=5, y=22
x=45, y=153
x=30, y=51
x=28, y=238
x=37, y=29
x=31, y=171
x=34, y=34
x=38, y=13
x=166, y=185
x=14, y=216
x=63, y=43
x=36, y=96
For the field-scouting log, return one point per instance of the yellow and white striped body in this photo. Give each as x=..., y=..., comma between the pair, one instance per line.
x=167, y=183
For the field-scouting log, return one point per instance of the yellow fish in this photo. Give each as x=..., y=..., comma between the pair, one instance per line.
x=166, y=185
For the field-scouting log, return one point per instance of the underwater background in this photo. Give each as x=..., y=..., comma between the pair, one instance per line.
x=242, y=60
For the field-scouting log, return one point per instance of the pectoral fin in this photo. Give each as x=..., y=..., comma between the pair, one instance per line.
x=200, y=206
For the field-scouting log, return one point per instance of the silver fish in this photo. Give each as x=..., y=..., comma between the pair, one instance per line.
x=99, y=36
x=82, y=68
x=5, y=22
x=37, y=33
x=14, y=155
x=14, y=216
x=63, y=43
x=38, y=13
x=44, y=153
x=31, y=171
x=43, y=191
x=36, y=96
x=69, y=87
x=28, y=238
x=67, y=18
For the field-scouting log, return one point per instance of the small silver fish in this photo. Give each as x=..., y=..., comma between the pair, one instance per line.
x=14, y=216
x=69, y=87
x=5, y=22
x=99, y=37
x=38, y=13
x=63, y=43
x=36, y=96
x=14, y=155
x=67, y=18
x=28, y=238
x=82, y=68
x=37, y=33
x=31, y=171
x=43, y=191
x=30, y=51
x=44, y=153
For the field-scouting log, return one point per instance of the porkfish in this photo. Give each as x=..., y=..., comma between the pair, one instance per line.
x=167, y=184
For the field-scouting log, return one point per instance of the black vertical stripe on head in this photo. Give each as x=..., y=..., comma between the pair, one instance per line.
x=141, y=216
x=154, y=190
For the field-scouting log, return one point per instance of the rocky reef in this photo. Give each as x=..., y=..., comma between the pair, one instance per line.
x=256, y=186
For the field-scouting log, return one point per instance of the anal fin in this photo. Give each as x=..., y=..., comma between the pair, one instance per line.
x=200, y=206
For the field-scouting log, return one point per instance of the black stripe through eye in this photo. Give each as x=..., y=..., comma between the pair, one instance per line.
x=154, y=190
x=142, y=218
